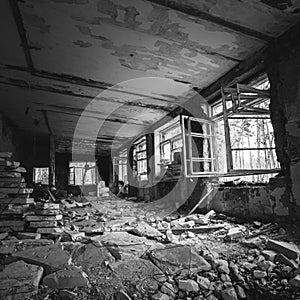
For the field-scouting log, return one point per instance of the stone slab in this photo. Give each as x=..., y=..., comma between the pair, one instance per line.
x=89, y=256
x=52, y=258
x=13, y=246
x=66, y=279
x=19, y=280
x=175, y=258
x=287, y=249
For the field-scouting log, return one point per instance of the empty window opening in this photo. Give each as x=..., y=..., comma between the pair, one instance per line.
x=82, y=173
x=140, y=166
x=41, y=175
x=184, y=146
x=120, y=167
x=245, y=135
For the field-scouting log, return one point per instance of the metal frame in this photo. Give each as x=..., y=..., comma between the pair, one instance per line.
x=243, y=99
x=93, y=168
x=187, y=140
x=142, y=140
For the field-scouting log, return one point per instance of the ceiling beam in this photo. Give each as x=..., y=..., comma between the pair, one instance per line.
x=22, y=33
x=79, y=81
x=186, y=9
x=68, y=91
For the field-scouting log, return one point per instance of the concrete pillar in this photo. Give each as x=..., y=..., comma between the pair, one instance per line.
x=283, y=68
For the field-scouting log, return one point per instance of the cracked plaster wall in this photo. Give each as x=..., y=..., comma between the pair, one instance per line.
x=284, y=76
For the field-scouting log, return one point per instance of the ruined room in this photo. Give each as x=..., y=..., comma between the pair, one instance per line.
x=150, y=149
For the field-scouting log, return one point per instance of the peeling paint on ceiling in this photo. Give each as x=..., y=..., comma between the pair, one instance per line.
x=149, y=55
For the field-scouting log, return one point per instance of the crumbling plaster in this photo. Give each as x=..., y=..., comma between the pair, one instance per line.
x=284, y=70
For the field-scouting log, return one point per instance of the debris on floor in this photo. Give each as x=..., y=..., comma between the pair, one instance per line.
x=111, y=248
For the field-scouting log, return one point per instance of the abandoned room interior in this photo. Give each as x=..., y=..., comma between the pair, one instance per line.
x=150, y=149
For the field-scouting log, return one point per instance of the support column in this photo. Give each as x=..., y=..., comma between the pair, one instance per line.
x=52, y=160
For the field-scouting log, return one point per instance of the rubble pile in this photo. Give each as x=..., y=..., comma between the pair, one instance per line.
x=14, y=196
x=115, y=248
x=44, y=218
x=109, y=248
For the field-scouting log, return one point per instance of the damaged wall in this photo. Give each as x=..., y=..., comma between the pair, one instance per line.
x=259, y=202
x=9, y=138
x=283, y=69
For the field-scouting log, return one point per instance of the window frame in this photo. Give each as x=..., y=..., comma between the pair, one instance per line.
x=120, y=167
x=34, y=175
x=141, y=163
x=242, y=100
x=72, y=181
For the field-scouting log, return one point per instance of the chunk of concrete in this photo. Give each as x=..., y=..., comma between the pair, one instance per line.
x=269, y=254
x=29, y=235
x=259, y=274
x=52, y=258
x=295, y=282
x=204, y=283
x=88, y=256
x=234, y=233
x=229, y=294
x=66, y=279
x=12, y=246
x=143, y=229
x=287, y=249
x=19, y=280
x=168, y=289
x=176, y=258
x=284, y=260
x=123, y=244
x=160, y=296
x=139, y=272
x=188, y=285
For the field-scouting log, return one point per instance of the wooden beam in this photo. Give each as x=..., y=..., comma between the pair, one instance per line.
x=22, y=33
x=187, y=9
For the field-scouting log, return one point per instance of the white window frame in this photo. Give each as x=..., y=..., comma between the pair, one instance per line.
x=72, y=181
x=120, y=166
x=35, y=179
x=186, y=135
x=241, y=100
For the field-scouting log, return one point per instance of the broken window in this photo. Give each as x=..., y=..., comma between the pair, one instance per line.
x=41, y=175
x=196, y=159
x=120, y=166
x=82, y=173
x=199, y=139
x=140, y=159
x=245, y=132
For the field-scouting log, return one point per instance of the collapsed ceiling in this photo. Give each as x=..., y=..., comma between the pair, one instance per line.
x=112, y=63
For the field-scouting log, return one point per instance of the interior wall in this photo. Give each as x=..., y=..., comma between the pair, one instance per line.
x=9, y=138
x=284, y=75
